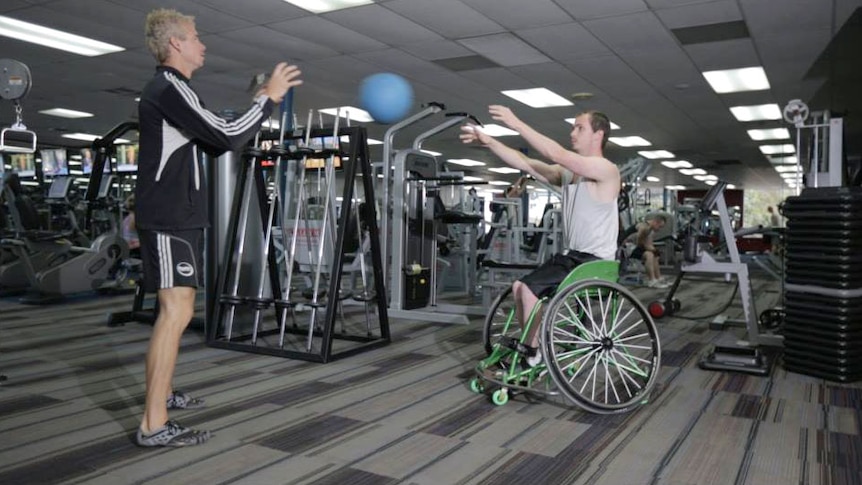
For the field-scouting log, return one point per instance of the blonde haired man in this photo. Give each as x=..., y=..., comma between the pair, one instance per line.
x=171, y=197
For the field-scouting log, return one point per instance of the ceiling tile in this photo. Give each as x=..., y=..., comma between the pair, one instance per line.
x=279, y=46
x=504, y=49
x=764, y=18
x=258, y=11
x=382, y=24
x=440, y=49
x=699, y=14
x=518, y=14
x=449, y=18
x=327, y=33
x=565, y=41
x=728, y=54
x=591, y=9
x=639, y=31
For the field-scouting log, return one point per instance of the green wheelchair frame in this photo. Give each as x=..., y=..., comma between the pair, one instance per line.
x=599, y=345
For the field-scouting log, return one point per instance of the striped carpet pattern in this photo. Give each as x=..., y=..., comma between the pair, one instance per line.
x=404, y=413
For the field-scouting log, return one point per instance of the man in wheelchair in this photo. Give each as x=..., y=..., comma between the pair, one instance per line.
x=590, y=185
x=645, y=250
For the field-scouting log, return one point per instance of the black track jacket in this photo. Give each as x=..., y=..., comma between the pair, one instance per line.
x=171, y=191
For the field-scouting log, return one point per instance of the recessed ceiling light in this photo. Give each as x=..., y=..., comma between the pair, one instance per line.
x=537, y=97
x=737, y=80
x=629, y=141
x=91, y=137
x=769, y=134
x=351, y=112
x=653, y=154
x=504, y=170
x=55, y=39
x=321, y=6
x=729, y=186
x=651, y=178
x=677, y=164
x=66, y=113
x=465, y=162
x=675, y=187
x=497, y=130
x=792, y=159
x=710, y=182
x=788, y=168
x=472, y=178
x=571, y=121
x=777, y=149
x=757, y=112
x=704, y=178
x=692, y=171
x=499, y=182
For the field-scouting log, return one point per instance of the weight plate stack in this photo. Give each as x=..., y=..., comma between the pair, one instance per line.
x=823, y=301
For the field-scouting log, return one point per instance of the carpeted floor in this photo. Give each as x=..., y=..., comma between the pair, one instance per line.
x=404, y=413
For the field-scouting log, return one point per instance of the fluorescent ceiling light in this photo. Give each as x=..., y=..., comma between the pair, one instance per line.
x=712, y=182
x=372, y=141
x=729, y=186
x=465, y=162
x=629, y=141
x=653, y=154
x=499, y=182
x=351, y=112
x=777, y=149
x=737, y=80
x=692, y=171
x=677, y=164
x=651, y=178
x=473, y=178
x=66, y=113
x=769, y=134
x=784, y=160
x=675, y=187
x=504, y=170
x=91, y=137
x=321, y=6
x=571, y=121
x=704, y=178
x=55, y=39
x=788, y=168
x=497, y=130
x=757, y=112
x=434, y=154
x=538, y=97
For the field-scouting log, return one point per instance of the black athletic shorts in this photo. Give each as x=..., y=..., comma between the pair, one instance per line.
x=172, y=258
x=544, y=280
x=637, y=252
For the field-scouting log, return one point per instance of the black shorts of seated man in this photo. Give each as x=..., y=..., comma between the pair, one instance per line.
x=171, y=195
x=590, y=184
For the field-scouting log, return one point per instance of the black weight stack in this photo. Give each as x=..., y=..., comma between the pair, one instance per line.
x=823, y=283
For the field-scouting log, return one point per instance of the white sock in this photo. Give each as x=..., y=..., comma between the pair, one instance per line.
x=535, y=360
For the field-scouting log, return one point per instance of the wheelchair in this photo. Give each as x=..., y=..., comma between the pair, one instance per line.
x=600, y=347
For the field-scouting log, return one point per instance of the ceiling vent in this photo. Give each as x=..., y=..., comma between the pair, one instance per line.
x=466, y=63
x=700, y=34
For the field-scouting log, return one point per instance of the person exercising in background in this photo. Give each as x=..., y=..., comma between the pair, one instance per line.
x=645, y=249
x=590, y=184
x=171, y=197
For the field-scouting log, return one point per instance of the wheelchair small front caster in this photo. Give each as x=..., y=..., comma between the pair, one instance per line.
x=500, y=397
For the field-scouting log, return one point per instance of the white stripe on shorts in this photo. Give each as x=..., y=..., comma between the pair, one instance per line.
x=165, y=261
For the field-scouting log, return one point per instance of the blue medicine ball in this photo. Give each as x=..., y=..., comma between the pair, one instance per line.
x=387, y=97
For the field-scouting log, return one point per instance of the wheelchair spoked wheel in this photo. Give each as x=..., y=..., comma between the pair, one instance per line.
x=500, y=320
x=601, y=346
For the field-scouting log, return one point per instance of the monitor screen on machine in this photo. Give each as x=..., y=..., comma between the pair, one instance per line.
x=54, y=162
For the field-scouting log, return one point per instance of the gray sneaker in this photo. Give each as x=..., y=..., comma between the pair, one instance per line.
x=172, y=434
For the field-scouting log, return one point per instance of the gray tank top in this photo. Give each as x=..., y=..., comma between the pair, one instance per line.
x=588, y=225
